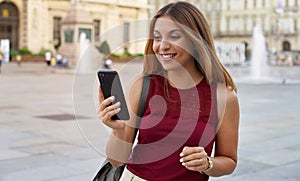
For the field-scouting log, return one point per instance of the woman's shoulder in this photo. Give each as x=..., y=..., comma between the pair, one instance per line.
x=136, y=84
x=227, y=104
x=135, y=87
x=226, y=96
x=226, y=90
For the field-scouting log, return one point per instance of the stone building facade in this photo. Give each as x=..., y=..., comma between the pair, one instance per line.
x=36, y=24
x=234, y=20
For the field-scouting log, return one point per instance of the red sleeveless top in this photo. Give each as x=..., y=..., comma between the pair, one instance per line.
x=172, y=120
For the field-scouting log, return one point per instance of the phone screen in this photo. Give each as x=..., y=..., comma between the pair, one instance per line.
x=111, y=86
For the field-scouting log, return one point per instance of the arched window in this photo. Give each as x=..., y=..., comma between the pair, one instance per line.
x=286, y=45
x=9, y=23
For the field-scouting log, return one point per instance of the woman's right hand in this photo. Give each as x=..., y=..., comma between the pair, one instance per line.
x=107, y=110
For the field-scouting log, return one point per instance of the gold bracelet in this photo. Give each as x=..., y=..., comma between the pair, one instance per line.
x=210, y=165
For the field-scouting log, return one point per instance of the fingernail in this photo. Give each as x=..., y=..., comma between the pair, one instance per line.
x=183, y=164
x=181, y=154
x=185, y=148
x=112, y=98
x=181, y=160
x=118, y=110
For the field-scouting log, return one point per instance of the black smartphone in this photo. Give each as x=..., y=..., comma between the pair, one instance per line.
x=111, y=86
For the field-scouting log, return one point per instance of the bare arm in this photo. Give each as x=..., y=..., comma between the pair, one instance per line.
x=119, y=144
x=225, y=158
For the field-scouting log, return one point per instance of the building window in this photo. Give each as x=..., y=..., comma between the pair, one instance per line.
x=249, y=24
x=223, y=5
x=267, y=23
x=291, y=3
x=250, y=4
x=259, y=4
x=56, y=28
x=87, y=32
x=97, y=26
x=126, y=33
x=69, y=35
x=223, y=24
x=5, y=13
x=267, y=3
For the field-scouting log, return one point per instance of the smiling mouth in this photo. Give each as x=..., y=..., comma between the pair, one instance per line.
x=168, y=57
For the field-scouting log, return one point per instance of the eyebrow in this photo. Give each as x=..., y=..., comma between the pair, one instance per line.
x=169, y=31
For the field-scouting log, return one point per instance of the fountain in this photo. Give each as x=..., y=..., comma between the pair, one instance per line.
x=259, y=68
x=84, y=62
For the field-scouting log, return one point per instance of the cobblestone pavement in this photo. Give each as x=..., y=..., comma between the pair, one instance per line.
x=40, y=140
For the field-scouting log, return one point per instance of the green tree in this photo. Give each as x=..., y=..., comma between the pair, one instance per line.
x=104, y=48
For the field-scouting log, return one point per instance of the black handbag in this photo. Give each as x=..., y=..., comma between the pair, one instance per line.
x=107, y=172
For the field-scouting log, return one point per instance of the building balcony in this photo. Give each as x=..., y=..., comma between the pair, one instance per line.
x=233, y=34
x=294, y=9
x=289, y=9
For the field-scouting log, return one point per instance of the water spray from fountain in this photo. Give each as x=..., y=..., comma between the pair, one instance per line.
x=259, y=60
x=260, y=71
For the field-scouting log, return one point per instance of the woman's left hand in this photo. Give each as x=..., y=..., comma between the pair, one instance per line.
x=194, y=158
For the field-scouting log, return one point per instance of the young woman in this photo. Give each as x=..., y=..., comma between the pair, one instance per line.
x=191, y=108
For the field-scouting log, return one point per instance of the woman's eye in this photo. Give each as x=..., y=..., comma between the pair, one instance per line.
x=155, y=37
x=175, y=37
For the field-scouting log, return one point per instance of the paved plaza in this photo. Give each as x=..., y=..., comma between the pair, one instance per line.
x=40, y=139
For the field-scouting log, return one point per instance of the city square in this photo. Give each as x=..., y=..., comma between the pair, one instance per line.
x=42, y=140
x=49, y=127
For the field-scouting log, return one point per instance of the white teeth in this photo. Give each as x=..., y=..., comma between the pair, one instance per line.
x=166, y=56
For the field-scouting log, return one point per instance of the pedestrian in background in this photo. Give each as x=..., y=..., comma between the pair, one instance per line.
x=52, y=61
x=19, y=59
x=48, y=58
x=108, y=64
x=59, y=59
x=191, y=108
x=1, y=58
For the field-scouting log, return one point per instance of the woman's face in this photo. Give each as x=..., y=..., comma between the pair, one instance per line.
x=171, y=46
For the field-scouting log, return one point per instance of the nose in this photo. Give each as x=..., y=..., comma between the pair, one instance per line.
x=165, y=45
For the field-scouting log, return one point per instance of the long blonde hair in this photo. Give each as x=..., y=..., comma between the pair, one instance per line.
x=198, y=32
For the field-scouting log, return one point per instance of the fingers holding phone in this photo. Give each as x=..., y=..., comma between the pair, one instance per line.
x=107, y=110
x=112, y=102
x=110, y=84
x=100, y=95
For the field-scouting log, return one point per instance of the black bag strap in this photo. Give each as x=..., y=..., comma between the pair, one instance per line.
x=144, y=94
